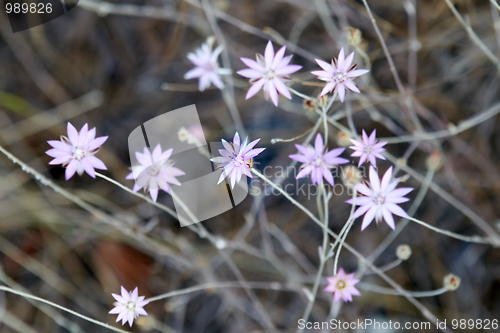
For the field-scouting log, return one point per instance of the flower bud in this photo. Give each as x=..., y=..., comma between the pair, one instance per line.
x=451, y=282
x=402, y=161
x=403, y=252
x=183, y=134
x=435, y=161
x=353, y=36
x=351, y=176
x=322, y=101
x=309, y=105
x=343, y=139
x=145, y=322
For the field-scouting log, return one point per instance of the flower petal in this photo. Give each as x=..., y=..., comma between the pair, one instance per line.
x=269, y=54
x=255, y=88
x=282, y=88
x=252, y=64
x=250, y=73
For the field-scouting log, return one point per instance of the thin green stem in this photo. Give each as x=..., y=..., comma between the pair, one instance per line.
x=387, y=267
x=470, y=239
x=389, y=291
x=170, y=211
x=349, y=224
x=323, y=255
x=301, y=95
x=26, y=295
x=219, y=285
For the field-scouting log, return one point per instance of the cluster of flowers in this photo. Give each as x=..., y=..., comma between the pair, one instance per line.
x=378, y=198
x=271, y=71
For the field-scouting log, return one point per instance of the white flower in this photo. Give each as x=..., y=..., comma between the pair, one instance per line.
x=129, y=306
x=206, y=66
x=368, y=148
x=379, y=199
x=236, y=159
x=269, y=73
x=339, y=75
x=76, y=151
x=155, y=171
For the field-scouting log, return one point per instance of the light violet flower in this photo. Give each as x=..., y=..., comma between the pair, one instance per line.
x=155, y=171
x=76, y=151
x=318, y=161
x=339, y=74
x=129, y=306
x=206, y=68
x=236, y=159
x=342, y=286
x=368, y=149
x=269, y=72
x=379, y=199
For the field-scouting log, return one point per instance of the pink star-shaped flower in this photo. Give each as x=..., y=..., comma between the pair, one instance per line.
x=76, y=151
x=155, y=171
x=206, y=68
x=129, y=306
x=236, y=159
x=342, y=286
x=379, y=199
x=368, y=149
x=318, y=161
x=269, y=72
x=339, y=75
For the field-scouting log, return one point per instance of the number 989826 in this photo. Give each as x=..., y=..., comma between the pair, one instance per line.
x=25, y=14
x=24, y=8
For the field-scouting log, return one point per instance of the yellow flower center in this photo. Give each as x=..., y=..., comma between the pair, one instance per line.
x=341, y=284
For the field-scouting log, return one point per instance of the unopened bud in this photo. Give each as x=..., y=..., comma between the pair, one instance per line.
x=343, y=139
x=401, y=161
x=183, y=134
x=451, y=282
x=351, y=176
x=146, y=323
x=322, y=101
x=309, y=105
x=403, y=252
x=353, y=36
x=435, y=161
